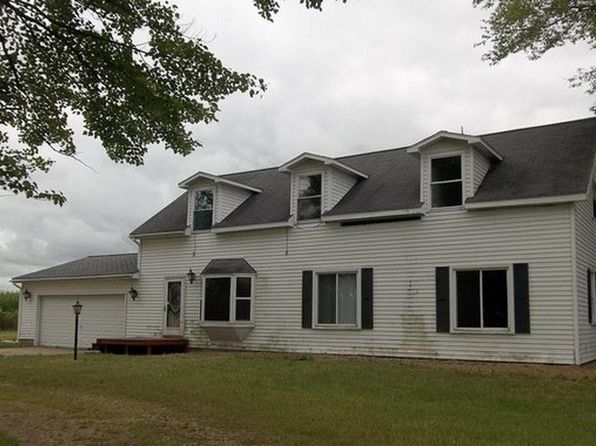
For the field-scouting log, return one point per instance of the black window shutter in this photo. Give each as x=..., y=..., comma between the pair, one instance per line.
x=521, y=298
x=442, y=298
x=306, y=299
x=366, y=277
x=589, y=296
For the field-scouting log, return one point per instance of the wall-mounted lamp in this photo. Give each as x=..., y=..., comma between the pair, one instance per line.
x=132, y=293
x=191, y=275
x=26, y=294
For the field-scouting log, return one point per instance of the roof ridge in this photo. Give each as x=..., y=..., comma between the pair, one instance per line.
x=552, y=124
x=372, y=152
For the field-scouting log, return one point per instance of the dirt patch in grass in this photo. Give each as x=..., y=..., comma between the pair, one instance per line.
x=95, y=420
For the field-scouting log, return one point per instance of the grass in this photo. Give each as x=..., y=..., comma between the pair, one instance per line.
x=9, y=335
x=245, y=398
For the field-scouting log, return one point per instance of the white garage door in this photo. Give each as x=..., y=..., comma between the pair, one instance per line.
x=101, y=317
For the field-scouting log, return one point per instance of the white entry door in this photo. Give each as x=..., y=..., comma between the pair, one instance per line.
x=174, y=307
x=101, y=317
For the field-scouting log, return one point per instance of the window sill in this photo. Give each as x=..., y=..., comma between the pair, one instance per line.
x=446, y=209
x=226, y=331
x=487, y=331
x=308, y=223
x=224, y=324
x=337, y=327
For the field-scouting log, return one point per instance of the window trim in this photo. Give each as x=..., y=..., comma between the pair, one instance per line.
x=431, y=182
x=166, y=282
x=194, y=192
x=315, y=300
x=510, y=329
x=232, y=316
x=298, y=197
x=592, y=298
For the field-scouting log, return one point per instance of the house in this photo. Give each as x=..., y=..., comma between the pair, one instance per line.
x=459, y=246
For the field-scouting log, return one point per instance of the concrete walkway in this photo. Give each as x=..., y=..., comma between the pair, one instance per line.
x=26, y=351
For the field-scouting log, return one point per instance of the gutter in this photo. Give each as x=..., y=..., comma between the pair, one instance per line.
x=525, y=202
x=16, y=280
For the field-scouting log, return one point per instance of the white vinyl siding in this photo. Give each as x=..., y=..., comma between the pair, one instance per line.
x=481, y=165
x=404, y=256
x=585, y=247
x=339, y=185
x=335, y=183
x=228, y=199
x=29, y=315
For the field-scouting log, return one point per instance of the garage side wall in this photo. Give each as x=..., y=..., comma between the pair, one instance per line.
x=29, y=310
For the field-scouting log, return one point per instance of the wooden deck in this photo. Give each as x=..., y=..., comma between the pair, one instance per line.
x=141, y=346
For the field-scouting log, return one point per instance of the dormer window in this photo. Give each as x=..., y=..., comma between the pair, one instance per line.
x=309, y=197
x=446, y=182
x=203, y=210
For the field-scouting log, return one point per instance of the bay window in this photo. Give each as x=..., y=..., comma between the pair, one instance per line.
x=228, y=298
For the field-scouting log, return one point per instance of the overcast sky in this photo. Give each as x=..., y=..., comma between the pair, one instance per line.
x=367, y=75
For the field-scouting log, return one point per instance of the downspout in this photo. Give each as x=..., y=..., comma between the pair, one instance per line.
x=576, y=358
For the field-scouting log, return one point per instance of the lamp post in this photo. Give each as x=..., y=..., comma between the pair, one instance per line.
x=77, y=311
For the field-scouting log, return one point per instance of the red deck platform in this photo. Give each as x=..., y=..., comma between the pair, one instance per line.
x=141, y=346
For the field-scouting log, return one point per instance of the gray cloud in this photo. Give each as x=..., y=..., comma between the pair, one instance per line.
x=366, y=75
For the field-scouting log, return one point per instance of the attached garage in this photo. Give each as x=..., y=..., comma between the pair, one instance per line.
x=100, y=283
x=102, y=317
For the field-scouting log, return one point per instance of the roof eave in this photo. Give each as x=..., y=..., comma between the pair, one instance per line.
x=281, y=224
x=373, y=215
x=105, y=276
x=287, y=167
x=185, y=184
x=538, y=201
x=157, y=234
x=475, y=141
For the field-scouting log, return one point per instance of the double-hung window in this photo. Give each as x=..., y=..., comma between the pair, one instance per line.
x=337, y=299
x=309, y=197
x=228, y=298
x=446, y=184
x=483, y=298
x=203, y=210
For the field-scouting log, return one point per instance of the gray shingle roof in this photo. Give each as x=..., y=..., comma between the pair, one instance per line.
x=545, y=161
x=228, y=266
x=92, y=266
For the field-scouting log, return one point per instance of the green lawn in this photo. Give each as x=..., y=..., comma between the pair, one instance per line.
x=8, y=335
x=236, y=398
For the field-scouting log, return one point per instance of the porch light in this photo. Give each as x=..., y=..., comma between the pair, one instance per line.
x=132, y=293
x=77, y=308
x=26, y=294
x=191, y=275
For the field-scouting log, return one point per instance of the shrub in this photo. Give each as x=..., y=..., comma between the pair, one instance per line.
x=9, y=310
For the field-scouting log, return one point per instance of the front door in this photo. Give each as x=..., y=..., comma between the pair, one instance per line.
x=174, y=308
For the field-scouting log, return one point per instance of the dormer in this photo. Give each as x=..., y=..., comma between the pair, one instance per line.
x=452, y=168
x=317, y=184
x=212, y=198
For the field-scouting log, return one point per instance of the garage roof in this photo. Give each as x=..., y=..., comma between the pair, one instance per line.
x=111, y=265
